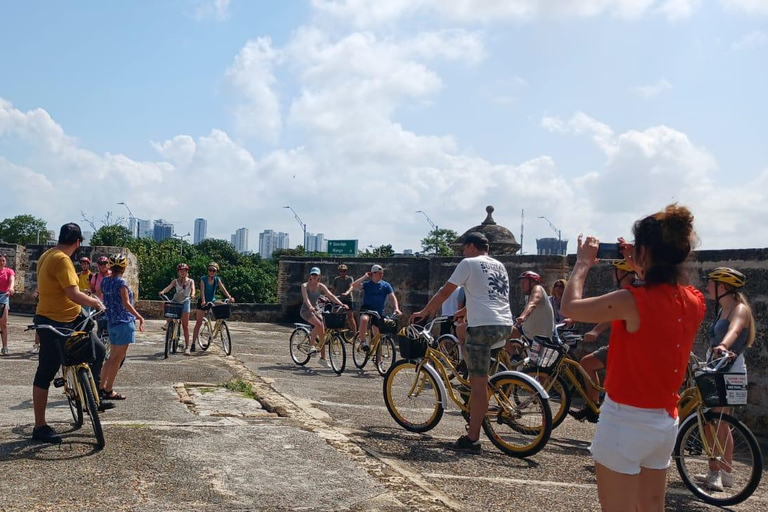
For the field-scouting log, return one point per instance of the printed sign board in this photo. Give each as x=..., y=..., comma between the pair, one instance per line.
x=344, y=248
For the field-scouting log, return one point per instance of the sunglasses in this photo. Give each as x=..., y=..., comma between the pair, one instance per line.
x=212, y=270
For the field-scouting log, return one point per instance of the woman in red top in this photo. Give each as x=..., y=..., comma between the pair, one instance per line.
x=652, y=333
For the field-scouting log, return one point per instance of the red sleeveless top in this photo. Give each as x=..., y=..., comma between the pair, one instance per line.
x=646, y=368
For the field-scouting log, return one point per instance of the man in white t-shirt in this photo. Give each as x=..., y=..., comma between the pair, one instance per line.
x=486, y=288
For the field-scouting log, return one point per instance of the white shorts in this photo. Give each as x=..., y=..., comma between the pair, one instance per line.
x=629, y=438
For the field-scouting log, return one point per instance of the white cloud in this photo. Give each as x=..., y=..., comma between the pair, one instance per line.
x=651, y=91
x=645, y=170
x=747, y=6
x=750, y=41
x=251, y=75
x=369, y=14
x=216, y=9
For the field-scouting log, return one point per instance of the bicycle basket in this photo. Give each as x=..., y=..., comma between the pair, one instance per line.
x=172, y=310
x=78, y=348
x=544, y=352
x=388, y=326
x=334, y=320
x=221, y=311
x=720, y=389
x=411, y=347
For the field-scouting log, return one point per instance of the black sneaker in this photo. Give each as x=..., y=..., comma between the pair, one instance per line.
x=103, y=406
x=46, y=434
x=586, y=414
x=193, y=347
x=463, y=444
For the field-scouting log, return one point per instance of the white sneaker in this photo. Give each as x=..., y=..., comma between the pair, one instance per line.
x=715, y=481
x=727, y=478
x=323, y=362
x=4, y=351
x=188, y=351
x=312, y=351
x=35, y=349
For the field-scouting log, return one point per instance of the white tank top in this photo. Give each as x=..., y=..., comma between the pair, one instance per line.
x=183, y=290
x=542, y=320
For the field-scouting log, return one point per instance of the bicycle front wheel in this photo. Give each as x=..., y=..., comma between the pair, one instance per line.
x=558, y=391
x=85, y=380
x=206, y=335
x=176, y=336
x=168, y=338
x=386, y=354
x=519, y=421
x=75, y=407
x=412, y=399
x=337, y=353
x=226, y=339
x=695, y=449
x=359, y=356
x=299, y=346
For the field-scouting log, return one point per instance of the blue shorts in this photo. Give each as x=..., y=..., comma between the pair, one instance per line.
x=122, y=334
x=187, y=306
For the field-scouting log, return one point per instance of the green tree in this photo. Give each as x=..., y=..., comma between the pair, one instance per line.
x=438, y=242
x=382, y=251
x=113, y=236
x=23, y=230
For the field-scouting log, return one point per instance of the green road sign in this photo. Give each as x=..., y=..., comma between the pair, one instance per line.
x=346, y=248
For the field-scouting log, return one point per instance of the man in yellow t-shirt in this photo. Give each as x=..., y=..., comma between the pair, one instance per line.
x=59, y=306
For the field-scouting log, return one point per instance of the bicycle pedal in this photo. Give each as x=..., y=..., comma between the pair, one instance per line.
x=58, y=382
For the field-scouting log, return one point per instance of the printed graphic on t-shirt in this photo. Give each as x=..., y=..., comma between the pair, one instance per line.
x=498, y=283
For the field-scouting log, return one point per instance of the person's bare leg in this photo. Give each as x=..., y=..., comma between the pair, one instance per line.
x=591, y=365
x=112, y=366
x=363, y=327
x=198, y=324
x=478, y=405
x=653, y=488
x=4, y=327
x=39, y=403
x=617, y=492
x=185, y=328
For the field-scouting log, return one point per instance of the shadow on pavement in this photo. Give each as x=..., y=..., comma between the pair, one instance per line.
x=25, y=448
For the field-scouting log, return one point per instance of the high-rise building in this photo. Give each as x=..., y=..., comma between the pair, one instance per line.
x=163, y=230
x=551, y=246
x=144, y=228
x=316, y=243
x=240, y=240
x=269, y=242
x=132, y=225
x=87, y=235
x=201, y=231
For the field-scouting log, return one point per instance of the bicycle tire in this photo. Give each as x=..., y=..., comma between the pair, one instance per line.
x=337, y=353
x=529, y=422
x=359, y=356
x=176, y=336
x=299, y=345
x=386, y=354
x=404, y=407
x=75, y=407
x=747, y=459
x=85, y=379
x=168, y=339
x=226, y=339
x=558, y=389
x=205, y=336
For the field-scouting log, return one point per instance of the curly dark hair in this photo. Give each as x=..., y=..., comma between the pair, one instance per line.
x=670, y=238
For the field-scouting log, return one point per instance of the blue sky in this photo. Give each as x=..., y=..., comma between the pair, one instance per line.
x=356, y=113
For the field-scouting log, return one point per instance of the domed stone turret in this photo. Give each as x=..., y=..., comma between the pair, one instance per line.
x=502, y=241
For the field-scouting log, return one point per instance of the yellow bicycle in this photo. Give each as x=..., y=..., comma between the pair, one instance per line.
x=215, y=326
x=300, y=345
x=417, y=387
x=76, y=350
x=381, y=346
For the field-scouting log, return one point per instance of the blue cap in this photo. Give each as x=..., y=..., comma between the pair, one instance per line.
x=314, y=271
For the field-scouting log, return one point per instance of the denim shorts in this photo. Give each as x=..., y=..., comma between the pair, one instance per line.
x=477, y=350
x=629, y=438
x=122, y=334
x=187, y=306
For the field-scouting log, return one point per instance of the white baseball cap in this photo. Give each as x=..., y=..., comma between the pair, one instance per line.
x=377, y=268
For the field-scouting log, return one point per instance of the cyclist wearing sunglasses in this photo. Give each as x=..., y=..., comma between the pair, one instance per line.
x=209, y=285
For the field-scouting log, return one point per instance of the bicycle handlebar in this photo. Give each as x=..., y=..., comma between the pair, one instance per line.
x=79, y=327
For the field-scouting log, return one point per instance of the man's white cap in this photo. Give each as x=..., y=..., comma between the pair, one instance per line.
x=377, y=268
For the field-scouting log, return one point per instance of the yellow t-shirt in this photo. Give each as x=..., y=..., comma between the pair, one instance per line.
x=55, y=272
x=84, y=281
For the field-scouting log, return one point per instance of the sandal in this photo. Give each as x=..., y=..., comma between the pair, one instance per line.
x=111, y=395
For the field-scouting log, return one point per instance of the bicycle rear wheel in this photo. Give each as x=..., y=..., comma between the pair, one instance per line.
x=386, y=354
x=299, y=346
x=85, y=380
x=412, y=399
x=206, y=335
x=557, y=389
x=337, y=352
x=519, y=421
x=693, y=453
x=359, y=356
x=226, y=339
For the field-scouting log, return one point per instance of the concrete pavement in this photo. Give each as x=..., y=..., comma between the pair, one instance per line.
x=313, y=441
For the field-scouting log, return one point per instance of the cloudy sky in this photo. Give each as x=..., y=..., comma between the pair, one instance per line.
x=358, y=113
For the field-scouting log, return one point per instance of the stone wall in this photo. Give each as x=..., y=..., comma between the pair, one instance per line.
x=23, y=260
x=272, y=313
x=415, y=280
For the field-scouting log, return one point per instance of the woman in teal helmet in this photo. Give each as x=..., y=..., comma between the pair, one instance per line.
x=310, y=292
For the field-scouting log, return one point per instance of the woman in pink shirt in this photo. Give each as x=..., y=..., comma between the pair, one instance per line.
x=7, y=282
